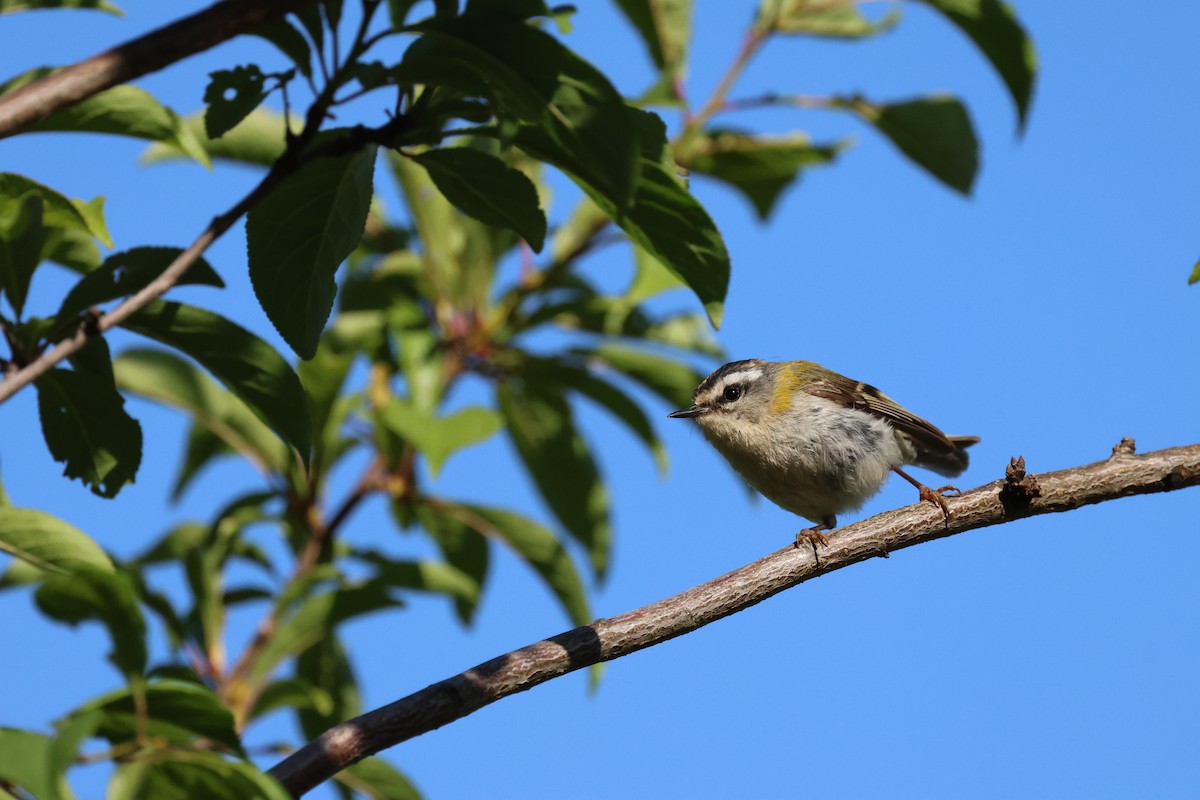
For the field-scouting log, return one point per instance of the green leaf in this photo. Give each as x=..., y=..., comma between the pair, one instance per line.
x=49, y=543
x=170, y=380
x=248, y=366
x=189, y=774
x=87, y=428
x=231, y=95
x=935, y=132
x=605, y=395
x=291, y=693
x=1195, y=276
x=533, y=78
x=203, y=447
x=13, y=6
x=177, y=711
x=484, y=187
x=105, y=597
x=24, y=756
x=673, y=381
x=994, y=28
x=128, y=272
x=839, y=19
x=71, y=248
x=58, y=211
x=92, y=212
x=21, y=237
x=295, y=248
x=437, y=438
x=376, y=779
x=665, y=27
x=257, y=140
x=281, y=33
x=464, y=547
x=64, y=752
x=541, y=427
x=760, y=167
x=664, y=219
x=326, y=667
x=122, y=110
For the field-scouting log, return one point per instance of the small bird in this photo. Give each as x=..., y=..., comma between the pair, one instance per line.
x=817, y=443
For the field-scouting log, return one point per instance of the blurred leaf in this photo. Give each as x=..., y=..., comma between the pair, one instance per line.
x=168, y=379
x=49, y=543
x=295, y=248
x=840, y=18
x=1195, y=276
x=177, y=711
x=533, y=78
x=128, y=272
x=438, y=438
x=87, y=428
x=994, y=28
x=64, y=752
x=326, y=667
x=436, y=577
x=541, y=427
x=92, y=212
x=935, y=132
x=760, y=167
x=71, y=248
x=441, y=232
x=105, y=597
x=291, y=693
x=203, y=446
x=123, y=110
x=190, y=774
x=376, y=779
x=398, y=11
x=248, y=366
x=281, y=33
x=484, y=187
x=257, y=140
x=665, y=219
x=12, y=6
x=465, y=549
x=650, y=277
x=24, y=756
x=665, y=27
x=673, y=381
x=58, y=211
x=21, y=237
x=604, y=394
x=231, y=95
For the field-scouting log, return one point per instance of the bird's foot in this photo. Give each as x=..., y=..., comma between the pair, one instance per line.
x=938, y=497
x=816, y=536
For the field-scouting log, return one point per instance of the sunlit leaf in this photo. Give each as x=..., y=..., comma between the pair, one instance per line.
x=376, y=779
x=189, y=774
x=437, y=438
x=839, y=18
x=257, y=140
x=58, y=210
x=49, y=543
x=24, y=759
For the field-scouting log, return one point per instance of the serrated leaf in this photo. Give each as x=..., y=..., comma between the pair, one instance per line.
x=541, y=427
x=760, y=167
x=438, y=438
x=376, y=779
x=103, y=596
x=839, y=19
x=296, y=248
x=128, y=272
x=86, y=428
x=122, y=110
x=664, y=219
x=248, y=366
x=257, y=140
x=21, y=236
x=485, y=188
x=170, y=380
x=533, y=78
x=994, y=28
x=13, y=6
x=935, y=132
x=231, y=95
x=177, y=711
x=49, y=543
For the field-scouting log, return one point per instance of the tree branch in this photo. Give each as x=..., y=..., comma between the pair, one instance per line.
x=1019, y=495
x=137, y=57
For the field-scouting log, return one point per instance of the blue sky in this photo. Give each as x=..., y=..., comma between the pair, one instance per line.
x=1048, y=314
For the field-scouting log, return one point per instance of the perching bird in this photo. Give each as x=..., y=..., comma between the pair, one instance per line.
x=815, y=442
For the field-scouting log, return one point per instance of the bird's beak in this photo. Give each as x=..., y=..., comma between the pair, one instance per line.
x=687, y=413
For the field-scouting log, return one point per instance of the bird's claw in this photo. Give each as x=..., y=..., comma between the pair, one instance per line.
x=938, y=497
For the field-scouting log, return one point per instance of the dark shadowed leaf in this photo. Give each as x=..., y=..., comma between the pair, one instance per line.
x=281, y=33
x=673, y=381
x=231, y=95
x=128, y=272
x=178, y=711
x=295, y=248
x=105, y=597
x=665, y=27
x=760, y=167
x=665, y=219
x=190, y=774
x=464, y=547
x=484, y=187
x=533, y=78
x=249, y=367
x=49, y=543
x=994, y=28
x=376, y=779
x=168, y=379
x=291, y=693
x=541, y=427
x=438, y=437
x=326, y=667
x=935, y=132
x=21, y=237
x=437, y=577
x=87, y=428
x=12, y=6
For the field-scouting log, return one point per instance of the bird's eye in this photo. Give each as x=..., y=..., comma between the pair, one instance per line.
x=732, y=393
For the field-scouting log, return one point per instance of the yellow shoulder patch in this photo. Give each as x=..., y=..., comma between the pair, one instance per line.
x=791, y=378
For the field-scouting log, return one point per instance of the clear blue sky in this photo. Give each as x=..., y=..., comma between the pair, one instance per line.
x=1054, y=657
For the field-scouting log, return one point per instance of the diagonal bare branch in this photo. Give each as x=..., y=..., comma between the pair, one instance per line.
x=1017, y=496
x=137, y=57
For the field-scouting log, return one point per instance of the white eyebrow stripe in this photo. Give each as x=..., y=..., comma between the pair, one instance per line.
x=741, y=376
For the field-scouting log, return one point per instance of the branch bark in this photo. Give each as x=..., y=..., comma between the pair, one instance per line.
x=137, y=57
x=1018, y=495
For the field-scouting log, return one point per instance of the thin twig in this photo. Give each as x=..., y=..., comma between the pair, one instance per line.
x=1018, y=496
